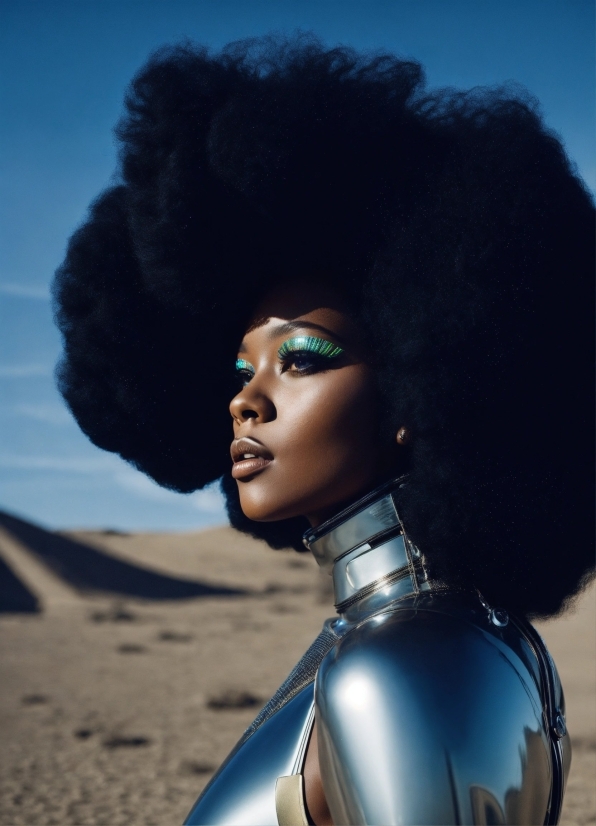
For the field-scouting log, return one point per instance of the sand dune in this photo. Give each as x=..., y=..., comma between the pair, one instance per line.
x=118, y=705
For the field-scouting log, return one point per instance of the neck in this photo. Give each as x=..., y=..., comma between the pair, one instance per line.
x=368, y=553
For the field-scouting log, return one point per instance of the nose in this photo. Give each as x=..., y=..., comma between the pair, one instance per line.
x=252, y=403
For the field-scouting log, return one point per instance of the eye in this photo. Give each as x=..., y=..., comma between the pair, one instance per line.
x=308, y=354
x=302, y=362
x=244, y=371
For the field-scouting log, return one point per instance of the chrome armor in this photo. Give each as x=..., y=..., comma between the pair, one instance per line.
x=431, y=706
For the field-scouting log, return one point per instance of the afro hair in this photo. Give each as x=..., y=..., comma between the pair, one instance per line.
x=453, y=220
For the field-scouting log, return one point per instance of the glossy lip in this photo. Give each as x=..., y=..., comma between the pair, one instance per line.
x=247, y=467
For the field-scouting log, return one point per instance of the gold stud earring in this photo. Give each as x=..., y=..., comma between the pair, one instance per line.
x=403, y=436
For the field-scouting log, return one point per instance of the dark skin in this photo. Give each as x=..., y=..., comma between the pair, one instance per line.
x=306, y=435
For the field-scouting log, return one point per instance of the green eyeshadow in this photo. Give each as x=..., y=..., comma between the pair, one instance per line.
x=310, y=344
x=244, y=366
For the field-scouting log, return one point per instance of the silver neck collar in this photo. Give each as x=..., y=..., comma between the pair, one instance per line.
x=368, y=553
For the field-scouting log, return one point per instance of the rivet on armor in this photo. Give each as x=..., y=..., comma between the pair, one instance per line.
x=499, y=617
x=560, y=727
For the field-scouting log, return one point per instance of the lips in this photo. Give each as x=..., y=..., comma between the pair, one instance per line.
x=249, y=457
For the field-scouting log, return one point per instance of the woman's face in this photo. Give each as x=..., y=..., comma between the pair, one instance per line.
x=306, y=417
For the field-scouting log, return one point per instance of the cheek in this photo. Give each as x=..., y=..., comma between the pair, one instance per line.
x=325, y=444
x=335, y=417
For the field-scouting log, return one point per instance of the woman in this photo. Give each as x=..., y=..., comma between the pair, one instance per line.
x=405, y=282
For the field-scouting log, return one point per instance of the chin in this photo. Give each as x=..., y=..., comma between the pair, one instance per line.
x=263, y=503
x=268, y=500
x=267, y=512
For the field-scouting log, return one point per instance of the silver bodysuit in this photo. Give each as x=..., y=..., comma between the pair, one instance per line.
x=432, y=707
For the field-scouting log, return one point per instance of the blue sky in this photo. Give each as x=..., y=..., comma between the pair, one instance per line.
x=64, y=67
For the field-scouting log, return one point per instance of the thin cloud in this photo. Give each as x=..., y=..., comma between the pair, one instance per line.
x=37, y=292
x=95, y=464
x=139, y=484
x=114, y=470
x=50, y=413
x=209, y=500
x=21, y=371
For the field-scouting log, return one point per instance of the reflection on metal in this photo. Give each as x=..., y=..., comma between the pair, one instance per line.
x=429, y=713
x=554, y=715
x=243, y=790
x=499, y=617
x=432, y=706
x=368, y=518
x=519, y=806
x=560, y=726
x=486, y=808
x=366, y=549
x=362, y=567
x=383, y=594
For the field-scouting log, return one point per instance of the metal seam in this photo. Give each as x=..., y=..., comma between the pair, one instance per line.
x=387, y=579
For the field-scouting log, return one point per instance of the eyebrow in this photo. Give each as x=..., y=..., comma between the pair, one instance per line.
x=292, y=326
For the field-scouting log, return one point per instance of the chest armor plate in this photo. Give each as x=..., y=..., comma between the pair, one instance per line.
x=242, y=793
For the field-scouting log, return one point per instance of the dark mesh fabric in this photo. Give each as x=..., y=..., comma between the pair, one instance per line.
x=301, y=675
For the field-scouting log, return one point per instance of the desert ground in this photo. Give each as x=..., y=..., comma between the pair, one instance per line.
x=131, y=663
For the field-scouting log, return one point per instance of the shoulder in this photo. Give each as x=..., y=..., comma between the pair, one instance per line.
x=441, y=661
x=439, y=702
x=432, y=641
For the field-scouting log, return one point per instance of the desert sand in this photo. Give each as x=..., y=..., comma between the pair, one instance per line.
x=119, y=700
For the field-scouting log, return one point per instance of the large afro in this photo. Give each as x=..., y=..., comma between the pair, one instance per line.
x=455, y=223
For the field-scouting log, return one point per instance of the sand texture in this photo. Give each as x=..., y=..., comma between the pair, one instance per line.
x=117, y=707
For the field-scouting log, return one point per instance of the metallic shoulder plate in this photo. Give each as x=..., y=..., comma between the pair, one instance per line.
x=432, y=714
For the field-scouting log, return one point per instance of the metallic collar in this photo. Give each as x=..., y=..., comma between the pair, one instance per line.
x=367, y=551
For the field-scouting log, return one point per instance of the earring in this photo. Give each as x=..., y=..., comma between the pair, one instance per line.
x=403, y=436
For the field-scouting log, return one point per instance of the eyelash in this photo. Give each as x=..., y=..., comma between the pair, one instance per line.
x=311, y=345
x=318, y=349
x=244, y=371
